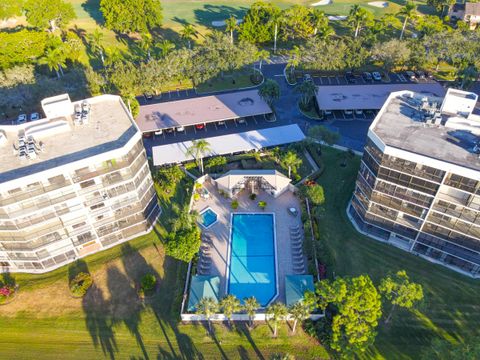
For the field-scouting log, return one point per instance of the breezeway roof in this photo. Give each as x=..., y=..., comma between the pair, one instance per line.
x=229, y=144
x=203, y=286
x=368, y=97
x=296, y=286
x=200, y=110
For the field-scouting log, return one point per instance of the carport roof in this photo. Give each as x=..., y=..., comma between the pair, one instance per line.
x=201, y=110
x=229, y=144
x=368, y=97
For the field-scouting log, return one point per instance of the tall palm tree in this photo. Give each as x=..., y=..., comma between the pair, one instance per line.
x=269, y=92
x=317, y=19
x=359, y=17
x=292, y=161
x=229, y=305
x=409, y=11
x=95, y=40
x=146, y=44
x=113, y=55
x=294, y=59
x=187, y=33
x=165, y=47
x=250, y=306
x=230, y=26
x=276, y=18
x=299, y=311
x=207, y=306
x=276, y=312
x=198, y=150
x=308, y=90
x=55, y=60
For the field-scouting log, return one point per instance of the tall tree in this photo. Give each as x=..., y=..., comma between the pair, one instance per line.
x=198, y=150
x=250, y=306
x=294, y=59
x=55, y=60
x=21, y=47
x=10, y=8
x=44, y=14
x=260, y=23
x=408, y=12
x=269, y=92
x=318, y=20
x=230, y=26
x=307, y=90
x=276, y=312
x=291, y=161
x=127, y=16
x=359, y=17
x=300, y=311
x=187, y=33
x=207, y=306
x=230, y=305
x=146, y=44
x=95, y=41
x=441, y=5
x=391, y=54
x=165, y=46
x=296, y=20
x=400, y=291
x=113, y=56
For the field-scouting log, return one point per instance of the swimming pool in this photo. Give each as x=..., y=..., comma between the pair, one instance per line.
x=208, y=217
x=252, y=270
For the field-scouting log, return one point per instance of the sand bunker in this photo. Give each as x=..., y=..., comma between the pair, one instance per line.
x=321, y=2
x=337, y=17
x=379, y=4
x=222, y=23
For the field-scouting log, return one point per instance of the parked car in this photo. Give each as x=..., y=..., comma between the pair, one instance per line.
x=78, y=113
x=159, y=132
x=169, y=130
x=22, y=118
x=377, y=76
x=34, y=116
x=348, y=112
x=410, y=75
x=327, y=113
x=307, y=78
x=200, y=126
x=367, y=76
x=429, y=75
x=242, y=121
x=420, y=74
x=350, y=77
x=180, y=128
x=148, y=96
x=358, y=112
x=222, y=123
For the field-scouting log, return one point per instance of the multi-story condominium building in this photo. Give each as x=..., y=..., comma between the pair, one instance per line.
x=72, y=184
x=418, y=187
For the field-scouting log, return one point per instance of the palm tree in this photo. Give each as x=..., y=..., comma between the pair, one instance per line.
x=276, y=312
x=187, y=33
x=95, y=40
x=325, y=32
x=231, y=26
x=308, y=90
x=276, y=17
x=294, y=59
x=318, y=20
x=113, y=56
x=269, y=92
x=409, y=11
x=165, y=47
x=198, y=149
x=292, y=161
x=250, y=305
x=299, y=311
x=229, y=305
x=55, y=60
x=146, y=44
x=207, y=306
x=359, y=17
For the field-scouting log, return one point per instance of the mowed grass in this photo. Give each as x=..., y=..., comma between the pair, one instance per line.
x=450, y=310
x=45, y=322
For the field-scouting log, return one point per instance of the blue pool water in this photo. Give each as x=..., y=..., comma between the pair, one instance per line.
x=252, y=257
x=208, y=217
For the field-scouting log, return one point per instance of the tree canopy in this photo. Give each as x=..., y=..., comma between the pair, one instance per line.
x=44, y=14
x=184, y=244
x=20, y=47
x=127, y=16
x=10, y=8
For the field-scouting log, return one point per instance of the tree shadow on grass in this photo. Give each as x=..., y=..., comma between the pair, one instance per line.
x=92, y=8
x=76, y=268
x=209, y=13
x=243, y=329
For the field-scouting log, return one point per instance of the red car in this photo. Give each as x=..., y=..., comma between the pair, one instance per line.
x=199, y=126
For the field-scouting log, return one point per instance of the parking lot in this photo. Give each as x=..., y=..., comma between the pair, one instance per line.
x=367, y=115
x=392, y=78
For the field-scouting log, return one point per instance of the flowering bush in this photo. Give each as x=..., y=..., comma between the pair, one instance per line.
x=80, y=284
x=6, y=291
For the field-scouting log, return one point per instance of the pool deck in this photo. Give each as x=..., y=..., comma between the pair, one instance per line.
x=220, y=231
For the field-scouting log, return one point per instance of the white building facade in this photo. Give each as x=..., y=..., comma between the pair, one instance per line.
x=418, y=187
x=72, y=185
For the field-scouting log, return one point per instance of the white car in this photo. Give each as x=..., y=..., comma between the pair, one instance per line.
x=376, y=76
x=358, y=112
x=34, y=116
x=180, y=128
x=159, y=132
x=327, y=112
x=348, y=112
x=22, y=118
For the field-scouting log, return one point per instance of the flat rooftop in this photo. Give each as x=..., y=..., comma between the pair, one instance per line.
x=110, y=127
x=368, y=97
x=401, y=125
x=200, y=110
x=230, y=144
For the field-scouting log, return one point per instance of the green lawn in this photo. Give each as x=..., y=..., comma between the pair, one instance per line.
x=234, y=80
x=451, y=308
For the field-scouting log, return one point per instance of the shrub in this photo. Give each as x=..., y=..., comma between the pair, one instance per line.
x=262, y=205
x=148, y=282
x=184, y=244
x=80, y=284
x=253, y=196
x=315, y=194
x=196, y=196
x=234, y=204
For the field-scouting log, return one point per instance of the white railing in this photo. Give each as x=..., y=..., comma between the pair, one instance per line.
x=238, y=317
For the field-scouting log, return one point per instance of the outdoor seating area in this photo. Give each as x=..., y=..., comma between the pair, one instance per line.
x=205, y=260
x=296, y=239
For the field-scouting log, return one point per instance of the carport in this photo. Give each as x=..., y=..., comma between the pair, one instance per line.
x=229, y=144
x=201, y=111
x=367, y=97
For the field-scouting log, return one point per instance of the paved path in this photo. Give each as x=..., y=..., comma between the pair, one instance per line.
x=311, y=161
